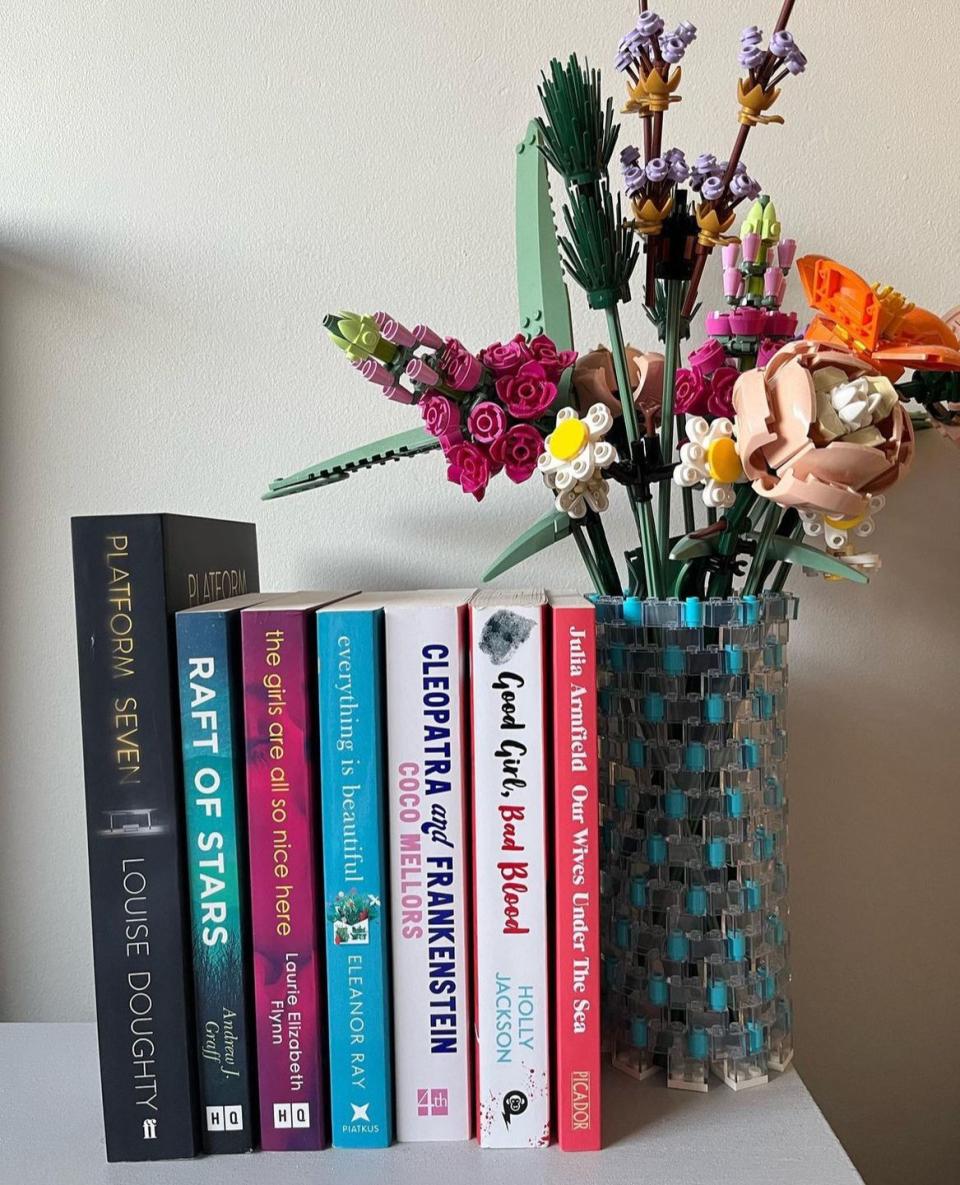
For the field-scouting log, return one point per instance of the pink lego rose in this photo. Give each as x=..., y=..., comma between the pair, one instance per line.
x=467, y=467
x=800, y=435
x=690, y=394
x=528, y=393
x=487, y=422
x=506, y=358
x=441, y=417
x=461, y=369
x=720, y=399
x=518, y=452
x=543, y=350
x=768, y=347
x=707, y=358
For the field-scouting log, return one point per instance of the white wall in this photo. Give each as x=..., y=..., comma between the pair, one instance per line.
x=185, y=189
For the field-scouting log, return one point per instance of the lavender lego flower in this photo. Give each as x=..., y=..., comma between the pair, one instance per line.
x=751, y=56
x=624, y=61
x=713, y=188
x=751, y=35
x=782, y=44
x=704, y=166
x=686, y=32
x=672, y=48
x=629, y=156
x=633, y=42
x=657, y=169
x=649, y=25
x=679, y=169
x=796, y=62
x=634, y=181
x=742, y=186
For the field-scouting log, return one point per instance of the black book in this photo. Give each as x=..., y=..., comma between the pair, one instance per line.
x=132, y=573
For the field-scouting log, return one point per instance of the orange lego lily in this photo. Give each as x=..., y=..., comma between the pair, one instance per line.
x=877, y=323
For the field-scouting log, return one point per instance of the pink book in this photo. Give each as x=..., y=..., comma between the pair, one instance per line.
x=279, y=681
x=576, y=874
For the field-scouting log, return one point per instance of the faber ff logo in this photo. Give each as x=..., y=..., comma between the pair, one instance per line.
x=149, y=1129
x=514, y=1103
x=433, y=1102
x=360, y=1112
x=291, y=1115
x=225, y=1119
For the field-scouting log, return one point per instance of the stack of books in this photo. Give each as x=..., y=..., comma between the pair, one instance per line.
x=343, y=854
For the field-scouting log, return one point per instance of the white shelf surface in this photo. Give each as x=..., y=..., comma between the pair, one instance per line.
x=51, y=1134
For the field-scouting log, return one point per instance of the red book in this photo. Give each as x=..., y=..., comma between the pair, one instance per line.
x=577, y=874
x=279, y=678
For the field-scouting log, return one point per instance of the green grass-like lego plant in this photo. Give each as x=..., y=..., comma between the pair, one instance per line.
x=580, y=136
x=601, y=250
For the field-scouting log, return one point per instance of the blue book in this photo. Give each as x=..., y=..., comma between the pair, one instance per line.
x=353, y=810
x=211, y=702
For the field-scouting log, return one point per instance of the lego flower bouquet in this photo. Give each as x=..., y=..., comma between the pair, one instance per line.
x=782, y=451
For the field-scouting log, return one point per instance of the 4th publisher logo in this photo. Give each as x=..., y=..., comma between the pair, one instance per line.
x=291, y=1115
x=149, y=1129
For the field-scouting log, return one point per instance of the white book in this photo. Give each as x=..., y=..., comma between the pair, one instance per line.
x=425, y=649
x=509, y=686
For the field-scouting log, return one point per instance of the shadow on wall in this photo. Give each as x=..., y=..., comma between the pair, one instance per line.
x=874, y=830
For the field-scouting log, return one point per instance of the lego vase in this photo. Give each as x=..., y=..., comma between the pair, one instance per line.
x=692, y=699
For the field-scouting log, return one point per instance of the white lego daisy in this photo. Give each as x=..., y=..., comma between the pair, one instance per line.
x=836, y=532
x=575, y=456
x=710, y=456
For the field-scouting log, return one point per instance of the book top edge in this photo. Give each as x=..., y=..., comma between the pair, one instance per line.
x=227, y=605
x=412, y=599
x=569, y=601
x=158, y=516
x=297, y=601
x=498, y=598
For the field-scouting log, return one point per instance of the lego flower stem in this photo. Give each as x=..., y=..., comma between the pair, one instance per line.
x=671, y=364
x=796, y=536
x=589, y=561
x=721, y=582
x=754, y=579
x=618, y=349
x=605, y=560
x=642, y=510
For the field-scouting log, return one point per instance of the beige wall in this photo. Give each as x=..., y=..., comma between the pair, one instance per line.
x=185, y=188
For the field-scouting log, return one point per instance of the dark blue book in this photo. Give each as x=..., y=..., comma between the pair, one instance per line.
x=131, y=575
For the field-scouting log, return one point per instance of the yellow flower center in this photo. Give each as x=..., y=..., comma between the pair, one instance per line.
x=568, y=440
x=723, y=461
x=845, y=524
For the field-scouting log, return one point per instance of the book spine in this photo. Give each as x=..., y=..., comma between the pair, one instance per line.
x=350, y=657
x=134, y=818
x=279, y=659
x=576, y=878
x=212, y=735
x=431, y=938
x=512, y=1005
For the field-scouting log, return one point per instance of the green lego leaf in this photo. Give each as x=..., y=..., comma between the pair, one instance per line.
x=688, y=549
x=339, y=468
x=543, y=297
x=781, y=548
x=552, y=528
